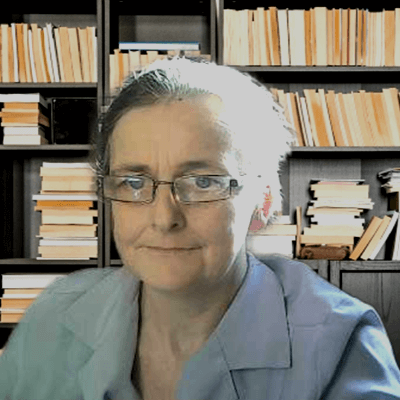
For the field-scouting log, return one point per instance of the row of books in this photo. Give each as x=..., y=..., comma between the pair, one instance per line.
x=315, y=37
x=335, y=212
x=127, y=61
x=68, y=206
x=327, y=118
x=30, y=53
x=24, y=119
x=19, y=291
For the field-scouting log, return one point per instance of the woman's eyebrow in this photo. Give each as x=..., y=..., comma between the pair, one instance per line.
x=184, y=167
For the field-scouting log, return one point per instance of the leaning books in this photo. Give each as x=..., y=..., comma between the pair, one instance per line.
x=68, y=206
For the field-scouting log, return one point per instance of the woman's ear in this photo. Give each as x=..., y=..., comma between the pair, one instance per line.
x=261, y=213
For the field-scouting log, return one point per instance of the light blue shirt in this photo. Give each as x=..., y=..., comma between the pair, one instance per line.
x=288, y=334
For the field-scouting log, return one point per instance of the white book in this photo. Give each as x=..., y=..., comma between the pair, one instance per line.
x=12, y=310
x=23, y=130
x=15, y=51
x=297, y=37
x=387, y=232
x=51, y=242
x=4, y=53
x=307, y=124
x=262, y=245
x=159, y=46
x=19, y=296
x=31, y=57
x=53, y=52
x=36, y=281
x=47, y=54
x=284, y=36
x=66, y=165
x=22, y=98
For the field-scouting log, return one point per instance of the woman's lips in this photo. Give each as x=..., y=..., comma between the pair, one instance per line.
x=172, y=249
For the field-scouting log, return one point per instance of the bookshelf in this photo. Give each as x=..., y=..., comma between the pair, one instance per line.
x=199, y=21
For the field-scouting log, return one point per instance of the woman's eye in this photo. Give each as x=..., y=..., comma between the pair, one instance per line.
x=203, y=182
x=133, y=183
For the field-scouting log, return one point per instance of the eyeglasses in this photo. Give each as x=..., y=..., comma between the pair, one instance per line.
x=186, y=189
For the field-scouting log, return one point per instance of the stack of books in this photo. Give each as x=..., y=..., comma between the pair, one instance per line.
x=278, y=237
x=30, y=53
x=315, y=37
x=130, y=57
x=335, y=212
x=391, y=179
x=68, y=204
x=326, y=118
x=19, y=291
x=24, y=118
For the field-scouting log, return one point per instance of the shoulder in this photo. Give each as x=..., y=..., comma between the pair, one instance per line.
x=309, y=298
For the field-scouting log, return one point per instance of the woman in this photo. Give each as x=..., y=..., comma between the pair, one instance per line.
x=187, y=151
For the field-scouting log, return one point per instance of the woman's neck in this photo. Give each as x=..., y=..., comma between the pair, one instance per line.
x=180, y=323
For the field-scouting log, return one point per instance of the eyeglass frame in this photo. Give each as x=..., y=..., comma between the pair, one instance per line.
x=157, y=183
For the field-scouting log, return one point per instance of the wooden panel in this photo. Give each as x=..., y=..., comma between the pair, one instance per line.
x=318, y=266
x=381, y=291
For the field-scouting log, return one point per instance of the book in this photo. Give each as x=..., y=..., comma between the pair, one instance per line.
x=394, y=219
x=23, y=98
x=372, y=245
x=25, y=281
x=159, y=46
x=67, y=231
x=24, y=140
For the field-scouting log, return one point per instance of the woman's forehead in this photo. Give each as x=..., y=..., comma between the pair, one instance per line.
x=170, y=134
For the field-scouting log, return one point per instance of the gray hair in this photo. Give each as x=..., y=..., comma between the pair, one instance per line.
x=252, y=117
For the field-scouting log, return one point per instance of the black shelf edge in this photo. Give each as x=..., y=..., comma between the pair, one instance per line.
x=33, y=261
x=48, y=147
x=8, y=324
x=360, y=149
x=279, y=68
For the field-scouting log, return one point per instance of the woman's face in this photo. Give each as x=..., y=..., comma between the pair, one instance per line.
x=165, y=139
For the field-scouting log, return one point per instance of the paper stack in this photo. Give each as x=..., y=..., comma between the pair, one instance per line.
x=68, y=203
x=335, y=212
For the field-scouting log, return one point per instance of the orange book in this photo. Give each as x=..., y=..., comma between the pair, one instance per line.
x=318, y=124
x=364, y=38
x=339, y=135
x=382, y=119
x=389, y=24
x=43, y=56
x=39, y=67
x=367, y=98
x=309, y=37
x=313, y=41
x=64, y=203
x=75, y=54
x=345, y=37
x=274, y=36
x=352, y=36
x=330, y=37
x=295, y=117
x=28, y=68
x=352, y=120
x=366, y=237
x=21, y=53
x=66, y=54
x=337, y=37
x=344, y=119
x=59, y=54
x=361, y=118
x=325, y=112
